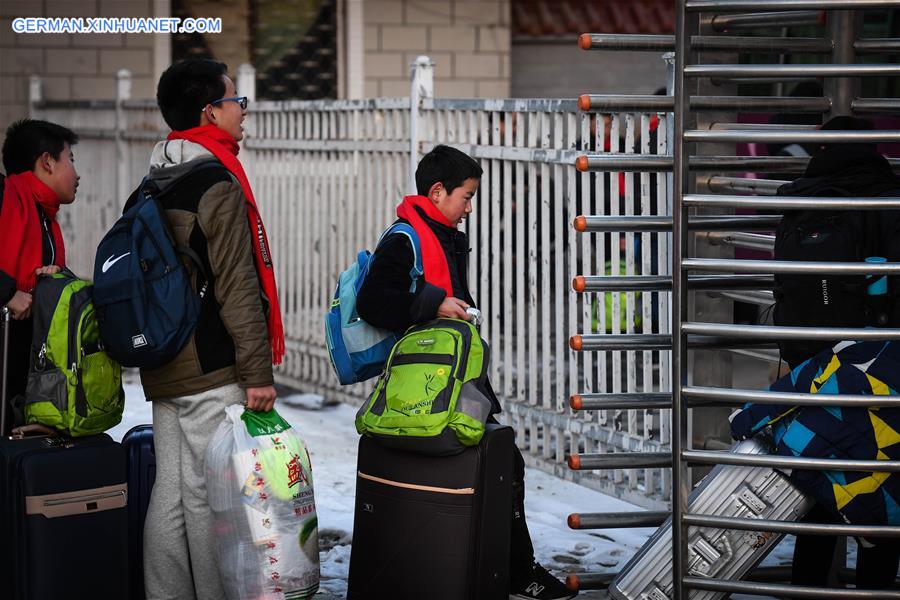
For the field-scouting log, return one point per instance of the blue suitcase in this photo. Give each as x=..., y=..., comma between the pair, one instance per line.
x=138, y=443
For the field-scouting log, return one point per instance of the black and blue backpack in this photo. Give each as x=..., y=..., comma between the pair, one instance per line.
x=358, y=350
x=146, y=306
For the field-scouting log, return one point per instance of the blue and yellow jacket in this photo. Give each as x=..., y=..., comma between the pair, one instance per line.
x=854, y=433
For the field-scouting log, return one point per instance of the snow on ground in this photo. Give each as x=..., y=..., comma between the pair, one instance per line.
x=330, y=435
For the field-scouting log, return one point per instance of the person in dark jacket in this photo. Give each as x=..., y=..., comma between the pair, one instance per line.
x=210, y=207
x=40, y=177
x=849, y=170
x=446, y=180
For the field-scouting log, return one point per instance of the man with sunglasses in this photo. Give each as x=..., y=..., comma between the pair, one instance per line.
x=210, y=208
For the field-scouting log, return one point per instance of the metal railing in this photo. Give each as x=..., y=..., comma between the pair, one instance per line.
x=328, y=175
x=750, y=280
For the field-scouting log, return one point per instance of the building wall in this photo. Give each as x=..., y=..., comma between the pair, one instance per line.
x=232, y=46
x=469, y=41
x=74, y=66
x=563, y=70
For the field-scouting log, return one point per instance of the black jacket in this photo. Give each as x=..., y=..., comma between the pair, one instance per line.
x=385, y=299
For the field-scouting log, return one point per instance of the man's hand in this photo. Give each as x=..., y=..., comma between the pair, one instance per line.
x=453, y=308
x=20, y=306
x=261, y=399
x=48, y=270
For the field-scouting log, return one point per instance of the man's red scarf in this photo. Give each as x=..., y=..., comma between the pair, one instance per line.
x=225, y=148
x=21, y=231
x=437, y=272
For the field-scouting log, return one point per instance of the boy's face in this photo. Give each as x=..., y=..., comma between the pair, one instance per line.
x=227, y=115
x=59, y=174
x=456, y=205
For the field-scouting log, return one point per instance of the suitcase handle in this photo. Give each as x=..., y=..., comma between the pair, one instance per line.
x=33, y=430
x=4, y=315
x=78, y=502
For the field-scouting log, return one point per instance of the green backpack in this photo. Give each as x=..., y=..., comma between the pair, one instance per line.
x=432, y=396
x=73, y=385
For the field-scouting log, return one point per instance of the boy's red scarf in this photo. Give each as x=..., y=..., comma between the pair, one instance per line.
x=21, y=231
x=225, y=148
x=437, y=272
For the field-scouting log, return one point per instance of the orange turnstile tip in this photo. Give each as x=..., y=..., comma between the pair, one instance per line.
x=578, y=283
x=574, y=462
x=575, y=402
x=574, y=521
x=581, y=163
x=584, y=41
x=580, y=223
x=572, y=583
x=576, y=343
x=584, y=102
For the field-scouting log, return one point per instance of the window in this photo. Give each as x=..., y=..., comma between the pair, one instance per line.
x=294, y=47
x=291, y=43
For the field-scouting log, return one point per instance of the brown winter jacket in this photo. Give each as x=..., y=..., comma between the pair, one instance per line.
x=206, y=210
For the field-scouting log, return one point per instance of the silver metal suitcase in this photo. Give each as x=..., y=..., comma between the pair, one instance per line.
x=728, y=491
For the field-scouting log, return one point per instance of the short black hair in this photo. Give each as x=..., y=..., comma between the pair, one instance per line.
x=447, y=166
x=848, y=123
x=186, y=87
x=27, y=139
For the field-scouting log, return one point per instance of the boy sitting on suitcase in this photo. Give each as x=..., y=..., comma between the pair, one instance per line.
x=40, y=177
x=446, y=180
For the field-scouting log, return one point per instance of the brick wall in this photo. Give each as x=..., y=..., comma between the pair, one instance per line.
x=468, y=40
x=72, y=66
x=563, y=70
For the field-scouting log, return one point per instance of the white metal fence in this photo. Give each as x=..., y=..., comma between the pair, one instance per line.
x=328, y=175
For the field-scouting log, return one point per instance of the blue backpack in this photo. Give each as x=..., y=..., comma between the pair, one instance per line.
x=359, y=351
x=146, y=306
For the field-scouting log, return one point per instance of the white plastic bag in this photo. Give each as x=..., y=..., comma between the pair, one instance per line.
x=260, y=490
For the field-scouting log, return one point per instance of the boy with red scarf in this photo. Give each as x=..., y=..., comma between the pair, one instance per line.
x=447, y=180
x=40, y=176
x=197, y=178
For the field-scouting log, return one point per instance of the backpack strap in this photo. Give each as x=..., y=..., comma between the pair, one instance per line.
x=202, y=165
x=418, y=270
x=183, y=249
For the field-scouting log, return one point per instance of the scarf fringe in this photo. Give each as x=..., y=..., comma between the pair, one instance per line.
x=225, y=148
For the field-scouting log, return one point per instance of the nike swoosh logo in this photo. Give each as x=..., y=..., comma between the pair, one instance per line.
x=113, y=259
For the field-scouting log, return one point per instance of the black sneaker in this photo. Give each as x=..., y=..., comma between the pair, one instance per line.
x=539, y=585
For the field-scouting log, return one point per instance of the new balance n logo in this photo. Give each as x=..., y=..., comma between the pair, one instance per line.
x=534, y=588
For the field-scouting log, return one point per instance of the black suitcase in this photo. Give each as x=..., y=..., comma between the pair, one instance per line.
x=138, y=443
x=433, y=527
x=63, y=523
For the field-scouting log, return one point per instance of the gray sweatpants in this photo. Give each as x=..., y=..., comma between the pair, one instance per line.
x=179, y=560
